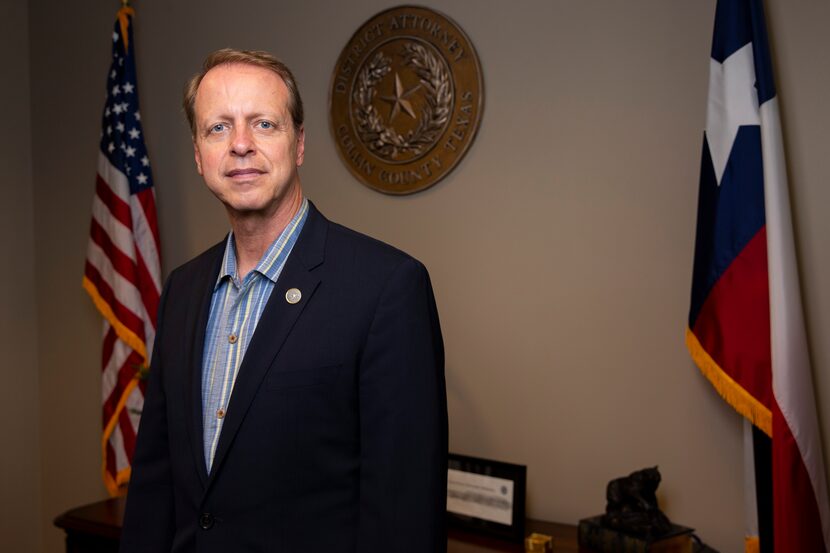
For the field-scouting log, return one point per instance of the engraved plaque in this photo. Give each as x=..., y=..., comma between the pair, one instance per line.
x=406, y=99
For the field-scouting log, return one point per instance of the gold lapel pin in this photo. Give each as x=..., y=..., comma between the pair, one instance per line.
x=293, y=295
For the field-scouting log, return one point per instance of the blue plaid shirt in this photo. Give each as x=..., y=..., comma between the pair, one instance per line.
x=235, y=309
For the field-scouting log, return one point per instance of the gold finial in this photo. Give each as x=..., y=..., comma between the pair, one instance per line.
x=123, y=18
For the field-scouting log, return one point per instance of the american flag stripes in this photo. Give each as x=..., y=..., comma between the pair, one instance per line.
x=122, y=273
x=746, y=327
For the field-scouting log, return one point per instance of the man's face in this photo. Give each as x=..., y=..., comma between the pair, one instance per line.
x=246, y=147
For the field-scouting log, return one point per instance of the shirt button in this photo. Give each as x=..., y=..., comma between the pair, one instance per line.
x=232, y=338
x=220, y=413
x=206, y=521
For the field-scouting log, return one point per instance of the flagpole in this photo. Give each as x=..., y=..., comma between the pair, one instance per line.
x=762, y=457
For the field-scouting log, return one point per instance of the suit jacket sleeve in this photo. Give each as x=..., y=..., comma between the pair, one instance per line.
x=149, y=517
x=403, y=420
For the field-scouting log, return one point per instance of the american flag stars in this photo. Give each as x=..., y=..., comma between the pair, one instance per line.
x=123, y=136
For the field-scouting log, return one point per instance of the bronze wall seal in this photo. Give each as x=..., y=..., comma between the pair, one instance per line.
x=406, y=99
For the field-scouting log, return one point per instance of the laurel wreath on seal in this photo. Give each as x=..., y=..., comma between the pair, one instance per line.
x=379, y=137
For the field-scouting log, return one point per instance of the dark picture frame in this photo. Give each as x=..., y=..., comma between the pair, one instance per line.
x=482, y=487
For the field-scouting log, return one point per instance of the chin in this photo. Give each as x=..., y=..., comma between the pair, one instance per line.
x=245, y=202
x=247, y=209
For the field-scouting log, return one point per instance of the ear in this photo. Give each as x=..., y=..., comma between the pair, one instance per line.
x=300, y=146
x=198, y=157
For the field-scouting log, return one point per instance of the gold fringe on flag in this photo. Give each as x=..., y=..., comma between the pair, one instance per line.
x=125, y=334
x=118, y=486
x=732, y=392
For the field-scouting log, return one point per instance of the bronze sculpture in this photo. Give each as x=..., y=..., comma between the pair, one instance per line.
x=632, y=505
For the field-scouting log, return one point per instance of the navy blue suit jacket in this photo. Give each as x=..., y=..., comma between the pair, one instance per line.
x=335, y=437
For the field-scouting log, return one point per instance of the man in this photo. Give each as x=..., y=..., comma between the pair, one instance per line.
x=296, y=400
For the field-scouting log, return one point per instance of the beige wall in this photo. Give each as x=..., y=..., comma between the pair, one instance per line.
x=560, y=248
x=69, y=58
x=20, y=458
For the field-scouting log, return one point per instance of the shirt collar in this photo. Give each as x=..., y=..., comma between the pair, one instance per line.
x=271, y=262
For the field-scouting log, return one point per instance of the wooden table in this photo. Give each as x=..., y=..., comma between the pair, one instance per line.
x=96, y=528
x=564, y=539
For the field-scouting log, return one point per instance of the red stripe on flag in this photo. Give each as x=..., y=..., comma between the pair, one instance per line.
x=147, y=288
x=127, y=317
x=734, y=325
x=797, y=524
x=107, y=348
x=127, y=433
x=142, y=385
x=126, y=372
x=120, y=261
x=147, y=199
x=119, y=208
x=109, y=466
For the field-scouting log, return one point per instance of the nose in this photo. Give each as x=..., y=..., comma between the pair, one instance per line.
x=242, y=141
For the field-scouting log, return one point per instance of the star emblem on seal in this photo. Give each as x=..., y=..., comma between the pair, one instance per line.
x=399, y=101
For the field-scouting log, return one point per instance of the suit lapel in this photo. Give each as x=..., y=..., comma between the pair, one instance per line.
x=276, y=322
x=198, y=309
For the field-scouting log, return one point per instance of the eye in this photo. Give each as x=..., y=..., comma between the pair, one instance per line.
x=218, y=127
x=266, y=125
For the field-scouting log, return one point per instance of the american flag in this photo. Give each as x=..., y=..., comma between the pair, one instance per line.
x=122, y=273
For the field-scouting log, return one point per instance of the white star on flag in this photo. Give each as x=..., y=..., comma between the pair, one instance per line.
x=114, y=36
x=111, y=147
x=137, y=116
x=134, y=133
x=145, y=161
x=120, y=126
x=116, y=90
x=130, y=151
x=128, y=88
x=733, y=102
x=113, y=74
x=109, y=130
x=117, y=108
x=141, y=178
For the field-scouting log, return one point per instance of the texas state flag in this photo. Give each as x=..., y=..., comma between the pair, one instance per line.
x=746, y=327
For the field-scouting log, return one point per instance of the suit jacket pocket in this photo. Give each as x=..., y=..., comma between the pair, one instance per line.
x=278, y=380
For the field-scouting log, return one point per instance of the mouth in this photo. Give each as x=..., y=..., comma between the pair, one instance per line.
x=244, y=173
